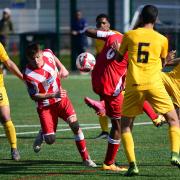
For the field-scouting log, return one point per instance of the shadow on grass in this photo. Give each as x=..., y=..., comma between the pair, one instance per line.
x=40, y=169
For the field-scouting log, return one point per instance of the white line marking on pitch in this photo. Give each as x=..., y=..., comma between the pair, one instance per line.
x=59, y=125
x=68, y=129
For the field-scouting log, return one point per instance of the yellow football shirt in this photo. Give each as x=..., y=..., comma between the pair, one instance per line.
x=145, y=49
x=176, y=72
x=99, y=43
x=3, y=57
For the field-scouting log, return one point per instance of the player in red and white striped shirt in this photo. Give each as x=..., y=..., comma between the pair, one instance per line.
x=42, y=76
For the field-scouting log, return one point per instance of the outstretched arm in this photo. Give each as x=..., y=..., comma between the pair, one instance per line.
x=95, y=33
x=171, y=60
x=11, y=66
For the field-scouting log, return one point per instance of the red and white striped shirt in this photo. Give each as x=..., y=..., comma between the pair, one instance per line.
x=44, y=79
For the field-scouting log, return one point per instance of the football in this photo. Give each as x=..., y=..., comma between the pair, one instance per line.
x=85, y=62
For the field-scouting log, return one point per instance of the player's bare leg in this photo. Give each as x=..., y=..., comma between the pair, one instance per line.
x=177, y=111
x=174, y=135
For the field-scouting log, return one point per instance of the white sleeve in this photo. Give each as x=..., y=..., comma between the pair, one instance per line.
x=104, y=34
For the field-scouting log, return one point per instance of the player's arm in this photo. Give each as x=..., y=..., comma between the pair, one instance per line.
x=171, y=60
x=95, y=33
x=120, y=49
x=116, y=45
x=62, y=70
x=35, y=95
x=11, y=66
x=42, y=96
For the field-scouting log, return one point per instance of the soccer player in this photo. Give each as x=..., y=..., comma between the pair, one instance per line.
x=110, y=90
x=102, y=23
x=146, y=48
x=171, y=81
x=4, y=103
x=42, y=76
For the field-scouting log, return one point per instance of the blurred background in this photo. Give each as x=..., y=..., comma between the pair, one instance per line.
x=49, y=22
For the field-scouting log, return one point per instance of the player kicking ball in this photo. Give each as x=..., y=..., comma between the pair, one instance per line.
x=42, y=76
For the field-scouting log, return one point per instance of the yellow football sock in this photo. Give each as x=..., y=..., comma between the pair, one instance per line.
x=174, y=136
x=10, y=133
x=128, y=144
x=103, y=120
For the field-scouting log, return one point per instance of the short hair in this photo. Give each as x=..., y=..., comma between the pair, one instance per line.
x=102, y=16
x=149, y=14
x=32, y=49
x=7, y=10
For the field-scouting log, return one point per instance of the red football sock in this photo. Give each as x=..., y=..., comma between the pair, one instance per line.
x=81, y=145
x=147, y=108
x=111, y=153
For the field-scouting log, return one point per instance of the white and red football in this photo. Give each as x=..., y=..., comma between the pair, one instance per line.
x=85, y=62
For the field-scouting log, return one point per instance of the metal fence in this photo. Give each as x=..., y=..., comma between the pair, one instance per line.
x=40, y=16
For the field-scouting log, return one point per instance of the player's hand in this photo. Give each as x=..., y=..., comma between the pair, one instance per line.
x=63, y=73
x=171, y=55
x=116, y=45
x=61, y=94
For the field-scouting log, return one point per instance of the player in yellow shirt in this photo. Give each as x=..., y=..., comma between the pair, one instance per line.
x=146, y=51
x=171, y=81
x=102, y=23
x=4, y=103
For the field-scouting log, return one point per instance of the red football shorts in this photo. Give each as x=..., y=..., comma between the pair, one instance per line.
x=49, y=115
x=113, y=105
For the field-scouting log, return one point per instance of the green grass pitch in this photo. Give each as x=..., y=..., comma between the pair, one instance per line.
x=61, y=160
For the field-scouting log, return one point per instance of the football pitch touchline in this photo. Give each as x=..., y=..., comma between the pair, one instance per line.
x=59, y=125
x=68, y=129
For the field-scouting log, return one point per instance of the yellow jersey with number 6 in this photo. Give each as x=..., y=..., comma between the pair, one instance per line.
x=145, y=49
x=3, y=57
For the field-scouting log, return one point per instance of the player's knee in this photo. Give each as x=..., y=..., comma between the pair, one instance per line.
x=74, y=126
x=50, y=139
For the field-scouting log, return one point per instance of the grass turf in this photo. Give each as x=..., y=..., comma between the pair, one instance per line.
x=61, y=160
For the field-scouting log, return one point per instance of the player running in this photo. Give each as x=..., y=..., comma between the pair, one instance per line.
x=42, y=76
x=171, y=81
x=110, y=90
x=4, y=103
x=146, y=48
